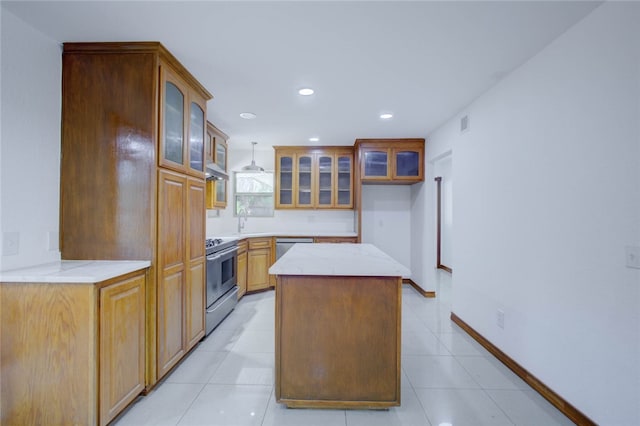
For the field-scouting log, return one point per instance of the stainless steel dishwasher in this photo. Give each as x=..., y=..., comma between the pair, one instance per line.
x=284, y=244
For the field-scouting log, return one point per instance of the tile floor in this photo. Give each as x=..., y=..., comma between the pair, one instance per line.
x=448, y=379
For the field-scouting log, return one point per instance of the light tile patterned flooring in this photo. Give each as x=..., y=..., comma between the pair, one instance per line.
x=448, y=379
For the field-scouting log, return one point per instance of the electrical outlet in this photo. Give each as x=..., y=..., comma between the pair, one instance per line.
x=632, y=256
x=10, y=243
x=500, y=318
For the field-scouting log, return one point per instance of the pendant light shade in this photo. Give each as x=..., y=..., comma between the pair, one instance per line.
x=252, y=167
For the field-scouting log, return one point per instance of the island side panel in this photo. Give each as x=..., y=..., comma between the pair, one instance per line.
x=338, y=341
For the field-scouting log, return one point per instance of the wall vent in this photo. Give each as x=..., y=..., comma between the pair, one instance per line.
x=464, y=123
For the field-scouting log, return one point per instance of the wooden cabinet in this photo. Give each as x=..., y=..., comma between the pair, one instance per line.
x=216, y=152
x=181, y=298
x=399, y=161
x=351, y=240
x=259, y=260
x=195, y=297
x=314, y=178
x=183, y=125
x=241, y=275
x=141, y=165
x=122, y=349
x=71, y=353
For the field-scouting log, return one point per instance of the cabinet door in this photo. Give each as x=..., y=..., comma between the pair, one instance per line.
x=375, y=164
x=344, y=181
x=258, y=263
x=172, y=188
x=242, y=274
x=174, y=105
x=195, y=284
x=196, y=136
x=220, y=147
x=285, y=178
x=122, y=352
x=305, y=183
x=325, y=174
x=408, y=163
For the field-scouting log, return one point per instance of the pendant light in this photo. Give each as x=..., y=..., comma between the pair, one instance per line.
x=252, y=167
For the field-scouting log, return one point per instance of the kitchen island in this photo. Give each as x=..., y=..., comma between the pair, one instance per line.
x=338, y=313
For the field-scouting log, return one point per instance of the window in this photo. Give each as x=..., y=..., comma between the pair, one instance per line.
x=253, y=194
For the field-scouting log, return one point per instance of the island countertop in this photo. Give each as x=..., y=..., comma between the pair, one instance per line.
x=338, y=260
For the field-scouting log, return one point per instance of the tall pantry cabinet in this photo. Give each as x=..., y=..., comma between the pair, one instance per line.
x=132, y=180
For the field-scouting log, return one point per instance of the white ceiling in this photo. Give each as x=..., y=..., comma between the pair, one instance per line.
x=424, y=61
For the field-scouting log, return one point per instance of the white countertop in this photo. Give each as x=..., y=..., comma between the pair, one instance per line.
x=73, y=271
x=338, y=259
x=242, y=235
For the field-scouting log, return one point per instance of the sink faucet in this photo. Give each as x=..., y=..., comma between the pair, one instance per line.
x=242, y=214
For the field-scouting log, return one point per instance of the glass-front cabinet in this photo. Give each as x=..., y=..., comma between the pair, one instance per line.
x=344, y=181
x=314, y=178
x=181, y=147
x=216, y=152
x=391, y=160
x=304, y=180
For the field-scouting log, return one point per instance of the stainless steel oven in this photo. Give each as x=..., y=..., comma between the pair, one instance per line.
x=222, y=289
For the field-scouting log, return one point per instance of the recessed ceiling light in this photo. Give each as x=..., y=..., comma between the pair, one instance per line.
x=386, y=116
x=247, y=115
x=306, y=91
x=314, y=139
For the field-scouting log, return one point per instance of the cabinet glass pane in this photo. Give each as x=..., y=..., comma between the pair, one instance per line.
x=325, y=164
x=196, y=138
x=221, y=191
x=304, y=164
x=304, y=197
x=344, y=198
x=324, y=197
x=344, y=164
x=286, y=181
x=173, y=119
x=221, y=156
x=407, y=163
x=304, y=180
x=285, y=196
x=286, y=164
x=375, y=163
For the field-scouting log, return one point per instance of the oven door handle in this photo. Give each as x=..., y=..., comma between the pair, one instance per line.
x=222, y=253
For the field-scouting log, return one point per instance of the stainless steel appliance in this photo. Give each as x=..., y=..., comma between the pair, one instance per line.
x=284, y=244
x=222, y=289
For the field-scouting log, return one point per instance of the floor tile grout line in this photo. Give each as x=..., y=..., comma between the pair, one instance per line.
x=264, y=415
x=190, y=405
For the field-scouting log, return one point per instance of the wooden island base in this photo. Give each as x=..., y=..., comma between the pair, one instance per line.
x=338, y=341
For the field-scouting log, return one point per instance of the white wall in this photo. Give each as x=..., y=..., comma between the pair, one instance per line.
x=547, y=195
x=386, y=220
x=283, y=221
x=30, y=141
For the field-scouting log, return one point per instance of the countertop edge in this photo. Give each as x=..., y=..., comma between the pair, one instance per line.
x=73, y=271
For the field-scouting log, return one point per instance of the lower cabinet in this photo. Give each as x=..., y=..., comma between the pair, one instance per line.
x=181, y=267
x=259, y=260
x=122, y=343
x=241, y=275
x=351, y=240
x=71, y=353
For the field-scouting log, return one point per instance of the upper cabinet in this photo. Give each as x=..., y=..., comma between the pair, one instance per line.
x=182, y=125
x=216, y=152
x=399, y=161
x=314, y=177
